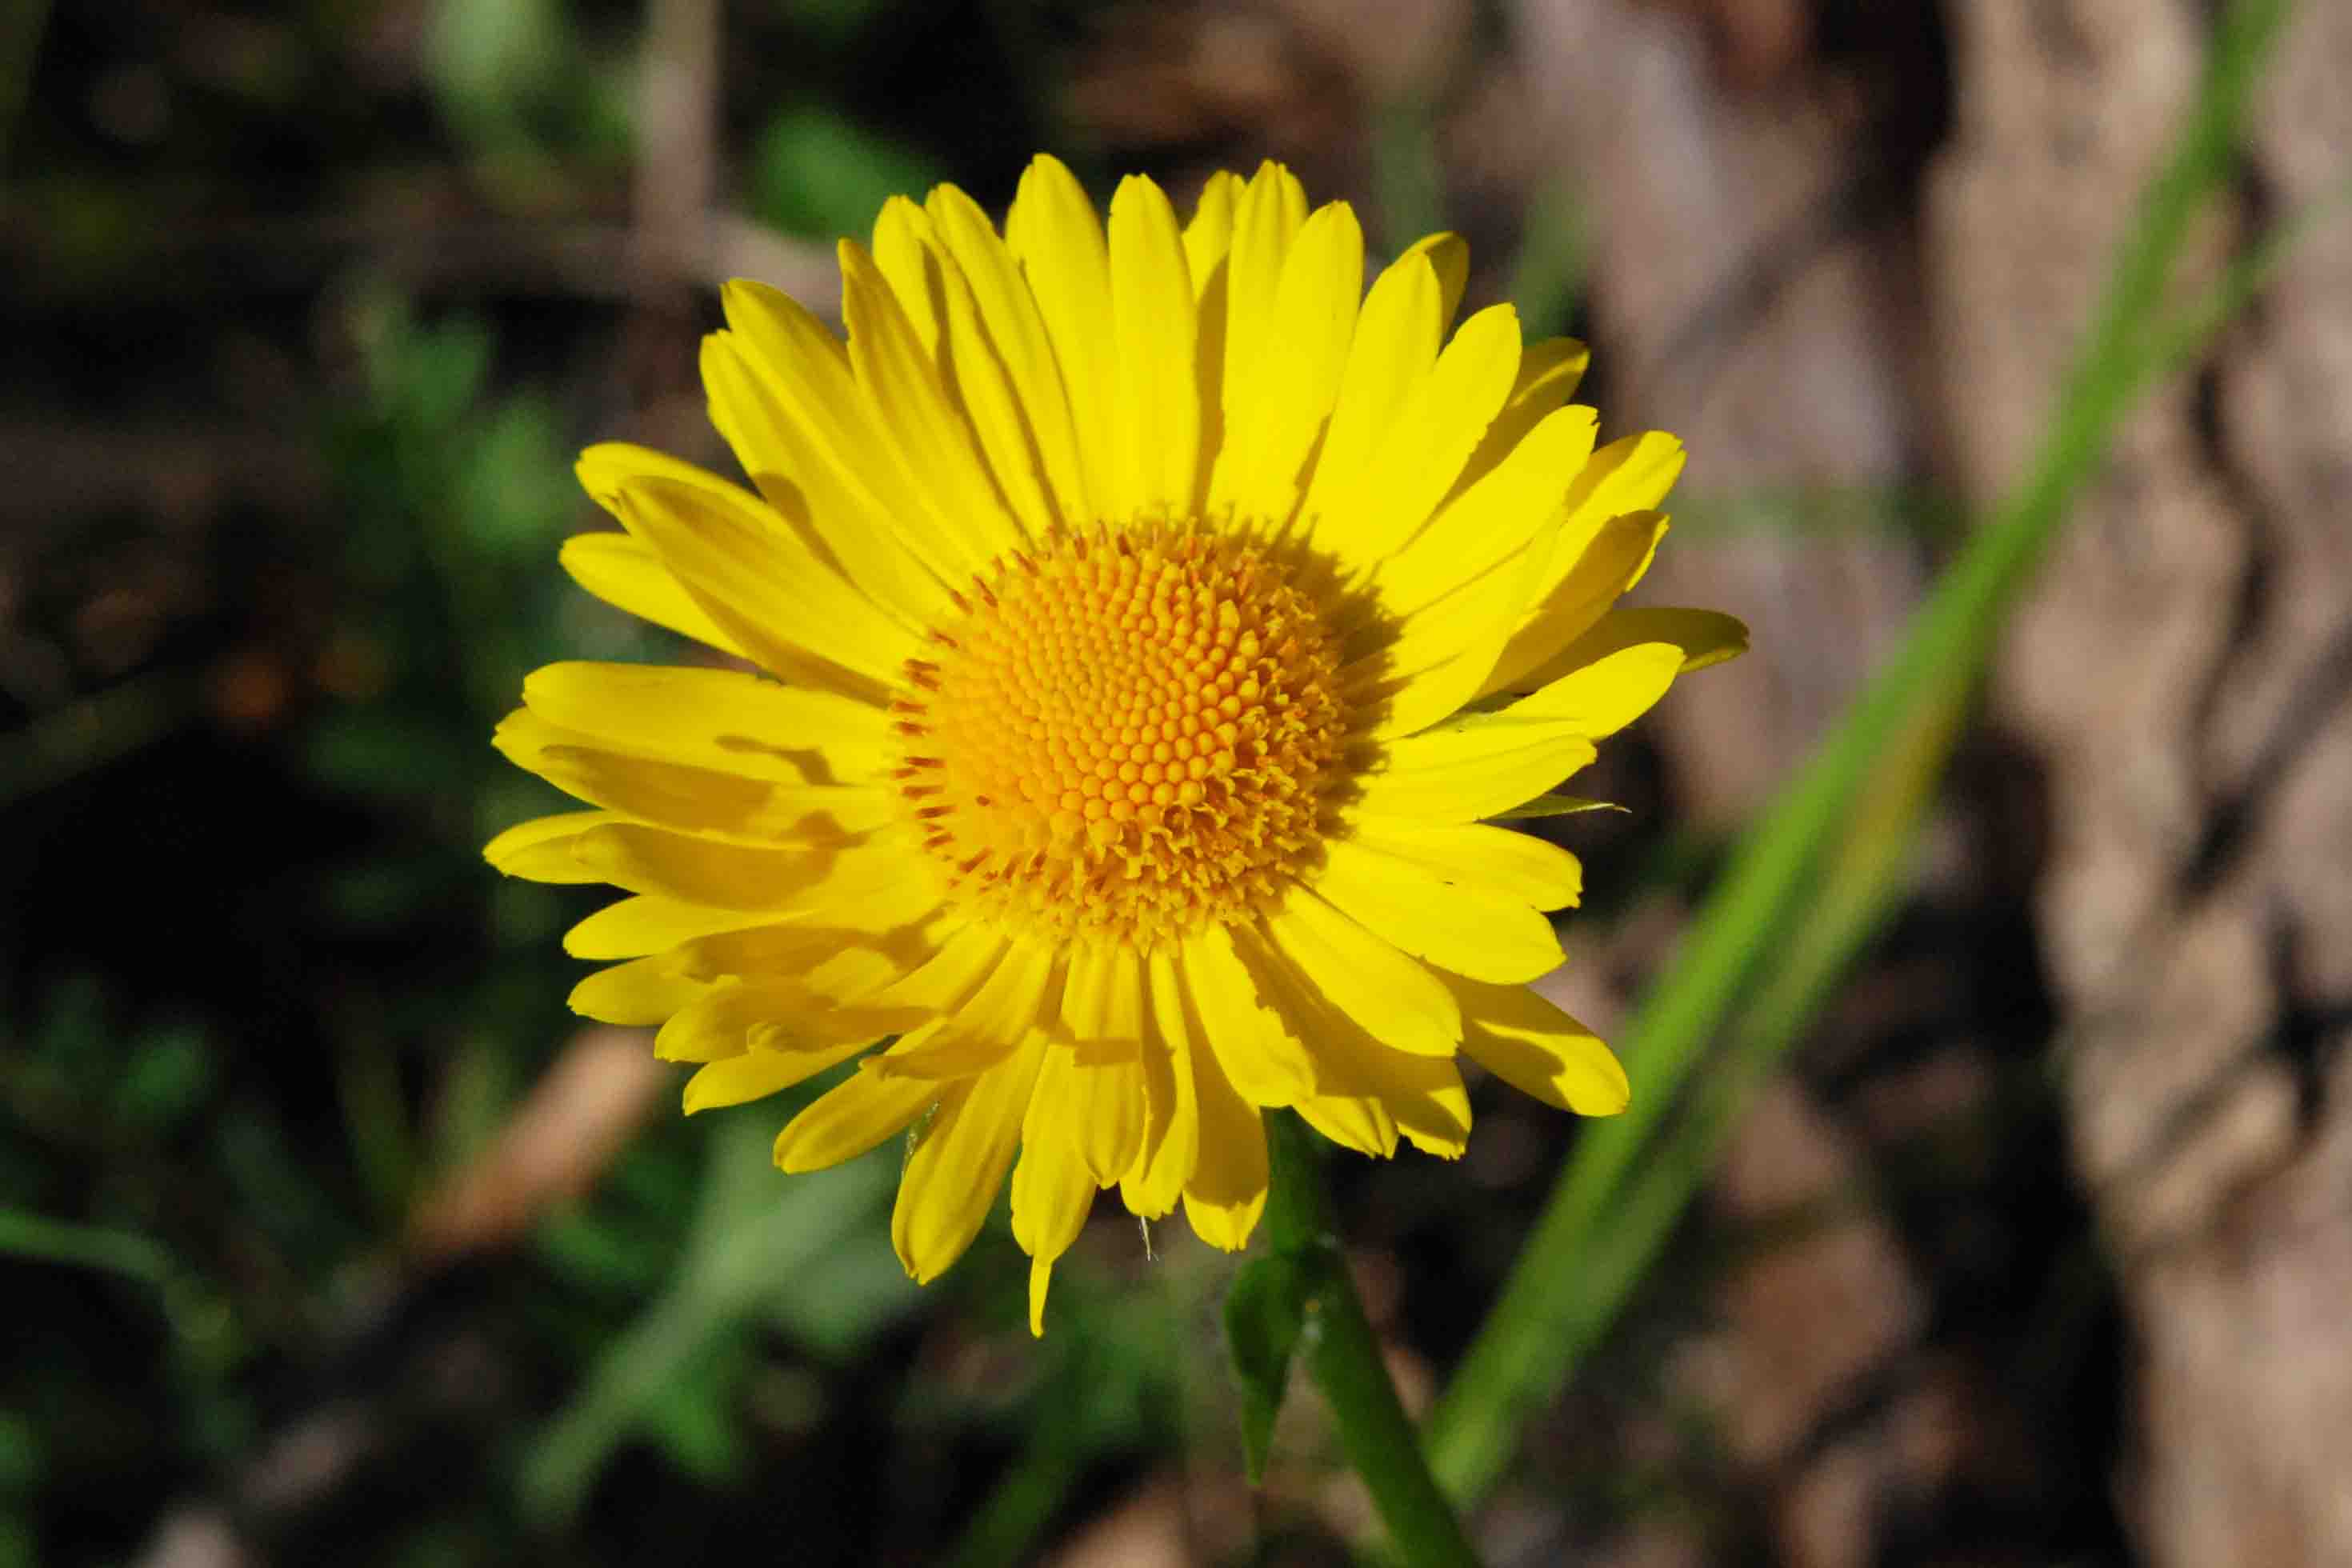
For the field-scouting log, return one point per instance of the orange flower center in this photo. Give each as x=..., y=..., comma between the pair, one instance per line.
x=1128, y=734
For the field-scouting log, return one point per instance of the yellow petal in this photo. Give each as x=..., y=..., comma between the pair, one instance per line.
x=1016, y=332
x=1539, y=1051
x=647, y=860
x=1448, y=255
x=1051, y=1191
x=779, y=1017
x=1226, y=1190
x=1467, y=930
x=1549, y=370
x=625, y=573
x=1439, y=424
x=903, y=254
x=1468, y=770
x=757, y=1073
x=1258, y=1056
x=1273, y=418
x=1055, y=234
x=1602, y=697
x=1103, y=1001
x=647, y=923
x=854, y=1116
x=1171, y=1100
x=1395, y=999
x=1613, y=561
x=965, y=960
x=981, y=384
x=1394, y=345
x=720, y=718
x=959, y=515
x=789, y=611
x=985, y=1028
x=1516, y=502
x=1210, y=234
x=1511, y=865
x=1368, y=1091
x=1266, y=218
x=690, y=799
x=960, y=1160
x=636, y=994
x=1107, y=1101
x=1704, y=637
x=1442, y=653
x=1156, y=413
x=541, y=851
x=783, y=395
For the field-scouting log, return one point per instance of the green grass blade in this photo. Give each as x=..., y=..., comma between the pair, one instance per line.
x=1528, y=1342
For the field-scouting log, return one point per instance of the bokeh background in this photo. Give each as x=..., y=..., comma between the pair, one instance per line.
x=327, y=1235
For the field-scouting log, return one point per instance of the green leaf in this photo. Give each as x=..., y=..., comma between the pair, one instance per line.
x=1264, y=1311
x=816, y=174
x=1553, y=806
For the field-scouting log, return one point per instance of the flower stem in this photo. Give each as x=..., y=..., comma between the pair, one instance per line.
x=1344, y=1359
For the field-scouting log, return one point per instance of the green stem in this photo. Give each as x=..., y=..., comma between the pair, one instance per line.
x=1344, y=1358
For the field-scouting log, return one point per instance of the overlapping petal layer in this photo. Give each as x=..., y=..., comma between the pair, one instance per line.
x=1289, y=596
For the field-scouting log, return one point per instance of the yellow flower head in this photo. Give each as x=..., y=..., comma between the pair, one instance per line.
x=1157, y=622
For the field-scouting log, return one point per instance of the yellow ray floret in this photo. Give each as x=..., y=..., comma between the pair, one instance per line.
x=1150, y=624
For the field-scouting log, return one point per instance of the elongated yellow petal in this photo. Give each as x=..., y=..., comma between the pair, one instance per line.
x=758, y=1073
x=1447, y=411
x=1443, y=652
x=1395, y=999
x=1156, y=418
x=989, y=1024
x=1266, y=218
x=1539, y=1051
x=1259, y=1057
x=1470, y=770
x=980, y=384
x=1010, y=321
x=851, y=1117
x=1510, y=865
x=765, y=587
x=958, y=1164
x=1105, y=999
x=1210, y=234
x=1464, y=929
x=1516, y=502
x=1394, y=344
x=903, y=254
x=719, y=719
x=637, y=994
x=962, y=512
x=1603, y=697
x=1055, y=234
x=1225, y=1193
x=643, y=858
x=541, y=851
x=625, y=573
x=1618, y=552
x=1052, y=1190
x=1172, y=1098
x=1549, y=370
x=1273, y=418
x=784, y=397
x=1704, y=637
x=690, y=799
x=647, y=923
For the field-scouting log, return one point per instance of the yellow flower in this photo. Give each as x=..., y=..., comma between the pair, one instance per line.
x=1158, y=621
